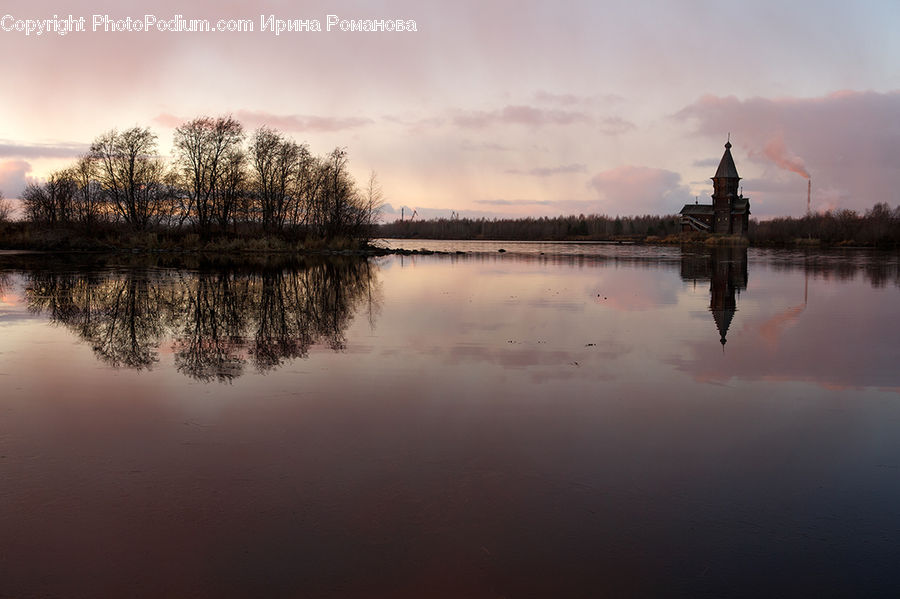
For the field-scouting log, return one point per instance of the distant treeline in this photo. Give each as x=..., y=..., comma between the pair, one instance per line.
x=217, y=181
x=878, y=226
x=557, y=228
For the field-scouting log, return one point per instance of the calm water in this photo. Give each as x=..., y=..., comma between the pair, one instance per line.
x=560, y=420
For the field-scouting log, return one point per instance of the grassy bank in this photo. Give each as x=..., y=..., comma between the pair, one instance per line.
x=27, y=236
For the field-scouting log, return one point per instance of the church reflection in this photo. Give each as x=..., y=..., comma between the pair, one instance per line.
x=219, y=322
x=726, y=270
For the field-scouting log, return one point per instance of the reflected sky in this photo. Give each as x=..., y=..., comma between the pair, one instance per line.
x=481, y=425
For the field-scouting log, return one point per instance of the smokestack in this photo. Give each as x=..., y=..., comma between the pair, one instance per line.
x=808, y=194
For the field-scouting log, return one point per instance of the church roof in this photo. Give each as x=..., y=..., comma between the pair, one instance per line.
x=691, y=209
x=726, y=169
x=723, y=321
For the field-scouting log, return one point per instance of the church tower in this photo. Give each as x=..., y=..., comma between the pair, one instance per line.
x=725, y=193
x=729, y=214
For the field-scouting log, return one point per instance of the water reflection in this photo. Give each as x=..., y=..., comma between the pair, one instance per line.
x=517, y=425
x=726, y=270
x=219, y=321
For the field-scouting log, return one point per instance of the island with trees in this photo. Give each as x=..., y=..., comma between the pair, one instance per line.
x=220, y=190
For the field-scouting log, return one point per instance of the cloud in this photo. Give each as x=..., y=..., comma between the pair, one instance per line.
x=253, y=119
x=502, y=202
x=769, y=185
x=545, y=97
x=635, y=190
x=615, y=126
x=317, y=124
x=519, y=115
x=415, y=124
x=713, y=162
x=14, y=177
x=847, y=142
x=469, y=145
x=9, y=149
x=531, y=116
x=549, y=171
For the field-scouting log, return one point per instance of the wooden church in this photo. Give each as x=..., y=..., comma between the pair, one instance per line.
x=729, y=213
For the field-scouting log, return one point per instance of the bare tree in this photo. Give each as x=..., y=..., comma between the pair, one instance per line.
x=341, y=203
x=6, y=209
x=131, y=174
x=50, y=203
x=231, y=187
x=88, y=206
x=213, y=181
x=274, y=160
x=374, y=200
x=201, y=146
x=34, y=203
x=61, y=193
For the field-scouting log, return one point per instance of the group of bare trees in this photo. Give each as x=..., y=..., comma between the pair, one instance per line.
x=218, y=180
x=879, y=226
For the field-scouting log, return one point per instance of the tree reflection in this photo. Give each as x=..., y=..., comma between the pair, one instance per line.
x=209, y=322
x=220, y=322
x=116, y=314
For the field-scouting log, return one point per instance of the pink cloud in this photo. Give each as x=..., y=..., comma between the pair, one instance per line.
x=14, y=177
x=253, y=119
x=59, y=150
x=640, y=190
x=546, y=97
x=256, y=118
x=531, y=116
x=549, y=171
x=519, y=115
x=523, y=202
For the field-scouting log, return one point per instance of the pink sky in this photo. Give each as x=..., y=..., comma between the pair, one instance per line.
x=495, y=108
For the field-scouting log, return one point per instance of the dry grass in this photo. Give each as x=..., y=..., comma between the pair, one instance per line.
x=27, y=236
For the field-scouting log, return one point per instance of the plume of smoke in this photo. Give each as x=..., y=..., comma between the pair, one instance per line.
x=777, y=152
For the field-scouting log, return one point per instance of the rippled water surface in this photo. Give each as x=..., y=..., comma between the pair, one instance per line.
x=568, y=420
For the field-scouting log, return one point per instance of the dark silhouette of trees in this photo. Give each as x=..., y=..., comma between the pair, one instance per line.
x=214, y=182
x=132, y=175
x=880, y=225
x=53, y=202
x=232, y=201
x=71, y=195
x=203, y=147
x=275, y=161
x=559, y=228
x=88, y=205
x=6, y=209
x=219, y=322
x=340, y=205
x=36, y=203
